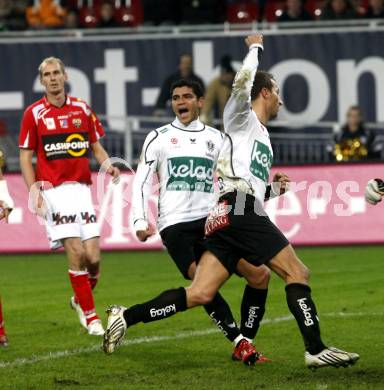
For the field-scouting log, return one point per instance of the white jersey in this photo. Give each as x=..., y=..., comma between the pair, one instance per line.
x=246, y=157
x=184, y=159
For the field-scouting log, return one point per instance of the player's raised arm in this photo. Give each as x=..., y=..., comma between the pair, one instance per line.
x=238, y=106
x=142, y=187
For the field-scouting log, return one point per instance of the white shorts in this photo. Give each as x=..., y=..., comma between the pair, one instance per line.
x=70, y=213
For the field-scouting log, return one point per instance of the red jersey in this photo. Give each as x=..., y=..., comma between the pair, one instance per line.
x=61, y=138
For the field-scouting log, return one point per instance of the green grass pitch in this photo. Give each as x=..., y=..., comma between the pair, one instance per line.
x=49, y=350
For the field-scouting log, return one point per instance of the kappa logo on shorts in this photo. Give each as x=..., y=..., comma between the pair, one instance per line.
x=217, y=218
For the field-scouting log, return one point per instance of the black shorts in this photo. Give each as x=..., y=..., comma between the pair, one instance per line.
x=185, y=243
x=250, y=235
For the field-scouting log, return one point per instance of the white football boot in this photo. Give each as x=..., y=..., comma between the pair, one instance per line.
x=330, y=357
x=116, y=328
x=95, y=328
x=80, y=313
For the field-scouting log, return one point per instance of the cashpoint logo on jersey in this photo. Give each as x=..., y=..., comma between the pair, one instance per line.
x=63, y=145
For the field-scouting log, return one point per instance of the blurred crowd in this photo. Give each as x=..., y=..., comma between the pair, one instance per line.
x=44, y=14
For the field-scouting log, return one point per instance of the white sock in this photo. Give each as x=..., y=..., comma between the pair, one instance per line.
x=238, y=338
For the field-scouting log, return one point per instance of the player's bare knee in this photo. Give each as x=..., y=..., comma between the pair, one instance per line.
x=299, y=274
x=191, y=271
x=265, y=276
x=76, y=251
x=200, y=296
x=259, y=278
x=305, y=273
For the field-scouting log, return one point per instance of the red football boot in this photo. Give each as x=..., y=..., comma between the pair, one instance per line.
x=246, y=352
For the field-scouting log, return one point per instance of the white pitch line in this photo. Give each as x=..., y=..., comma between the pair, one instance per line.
x=153, y=339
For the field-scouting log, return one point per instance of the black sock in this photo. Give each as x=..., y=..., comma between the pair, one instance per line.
x=221, y=315
x=168, y=303
x=304, y=310
x=252, y=310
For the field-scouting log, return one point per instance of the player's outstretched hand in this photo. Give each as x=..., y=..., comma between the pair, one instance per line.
x=254, y=39
x=4, y=211
x=280, y=183
x=115, y=173
x=143, y=235
x=374, y=191
x=36, y=202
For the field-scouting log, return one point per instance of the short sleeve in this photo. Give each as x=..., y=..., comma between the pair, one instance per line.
x=28, y=131
x=96, y=130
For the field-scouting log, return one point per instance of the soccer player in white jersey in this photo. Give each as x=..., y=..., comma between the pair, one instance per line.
x=62, y=131
x=238, y=227
x=183, y=155
x=6, y=206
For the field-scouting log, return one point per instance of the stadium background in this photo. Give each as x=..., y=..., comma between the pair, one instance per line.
x=322, y=68
x=339, y=67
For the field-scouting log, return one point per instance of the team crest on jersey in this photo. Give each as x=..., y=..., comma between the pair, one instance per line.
x=64, y=123
x=210, y=146
x=76, y=122
x=174, y=141
x=50, y=123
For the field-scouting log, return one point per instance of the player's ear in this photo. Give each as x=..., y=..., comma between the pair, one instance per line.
x=200, y=102
x=265, y=92
x=65, y=76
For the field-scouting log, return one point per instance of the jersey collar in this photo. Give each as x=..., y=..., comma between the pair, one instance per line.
x=47, y=104
x=195, y=125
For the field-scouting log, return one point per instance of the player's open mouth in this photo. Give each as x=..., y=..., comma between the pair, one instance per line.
x=183, y=111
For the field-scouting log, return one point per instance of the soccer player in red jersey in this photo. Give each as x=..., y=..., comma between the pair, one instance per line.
x=61, y=131
x=6, y=206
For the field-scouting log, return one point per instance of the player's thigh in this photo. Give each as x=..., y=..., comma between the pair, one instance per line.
x=210, y=275
x=289, y=267
x=92, y=250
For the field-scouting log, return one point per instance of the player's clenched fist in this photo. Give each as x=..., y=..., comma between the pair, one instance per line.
x=374, y=191
x=256, y=39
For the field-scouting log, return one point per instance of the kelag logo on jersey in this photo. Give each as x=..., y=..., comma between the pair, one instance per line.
x=190, y=174
x=261, y=161
x=63, y=145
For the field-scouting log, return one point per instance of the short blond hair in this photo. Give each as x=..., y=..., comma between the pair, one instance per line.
x=51, y=60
